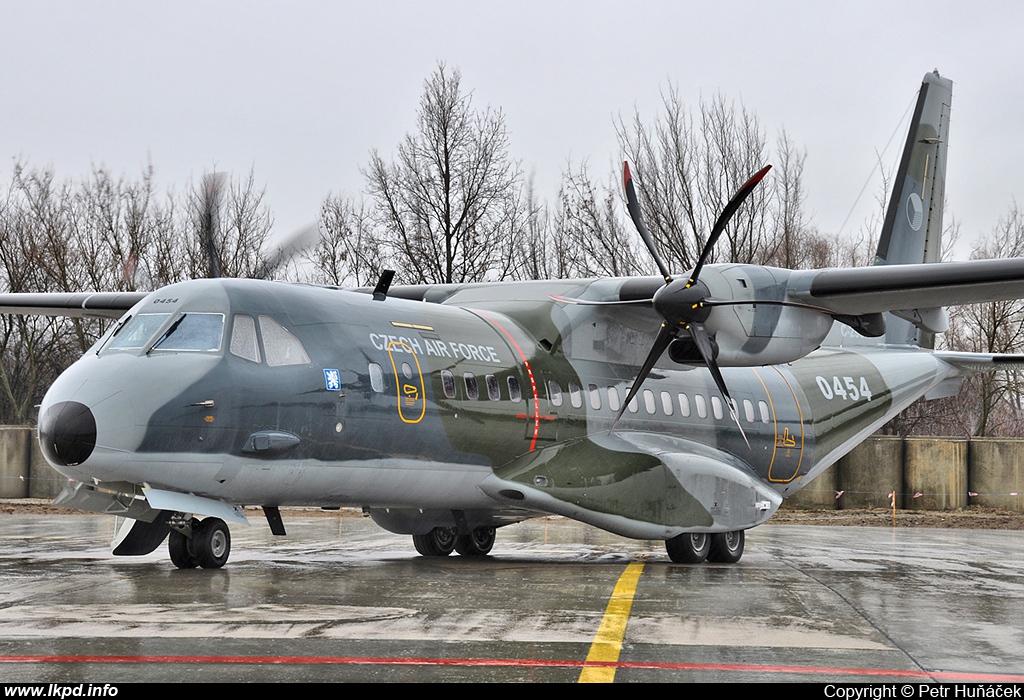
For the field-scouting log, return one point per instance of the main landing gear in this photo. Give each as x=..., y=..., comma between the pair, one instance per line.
x=194, y=542
x=442, y=541
x=695, y=547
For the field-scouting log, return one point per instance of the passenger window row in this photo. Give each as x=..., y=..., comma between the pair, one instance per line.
x=470, y=385
x=663, y=403
x=653, y=404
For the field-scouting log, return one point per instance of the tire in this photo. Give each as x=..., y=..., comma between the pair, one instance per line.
x=439, y=542
x=181, y=556
x=688, y=548
x=727, y=547
x=211, y=542
x=477, y=543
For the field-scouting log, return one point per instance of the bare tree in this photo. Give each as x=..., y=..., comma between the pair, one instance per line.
x=687, y=169
x=346, y=252
x=230, y=224
x=449, y=208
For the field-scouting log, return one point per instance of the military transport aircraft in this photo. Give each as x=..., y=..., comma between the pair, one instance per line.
x=448, y=411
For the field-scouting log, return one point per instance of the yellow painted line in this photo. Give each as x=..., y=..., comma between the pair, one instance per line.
x=604, y=651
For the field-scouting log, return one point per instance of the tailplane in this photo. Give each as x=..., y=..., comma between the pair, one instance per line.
x=912, y=231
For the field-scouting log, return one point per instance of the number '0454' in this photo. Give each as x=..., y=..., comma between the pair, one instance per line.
x=845, y=388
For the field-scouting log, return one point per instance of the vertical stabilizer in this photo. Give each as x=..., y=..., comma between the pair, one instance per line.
x=912, y=232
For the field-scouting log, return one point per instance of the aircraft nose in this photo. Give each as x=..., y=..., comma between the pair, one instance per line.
x=67, y=433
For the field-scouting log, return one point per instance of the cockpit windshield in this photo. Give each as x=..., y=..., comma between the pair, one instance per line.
x=193, y=332
x=190, y=332
x=136, y=332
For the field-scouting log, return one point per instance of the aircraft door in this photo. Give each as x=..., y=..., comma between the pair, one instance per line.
x=408, y=374
x=787, y=425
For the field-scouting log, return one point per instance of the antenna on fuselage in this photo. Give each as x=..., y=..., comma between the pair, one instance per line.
x=380, y=292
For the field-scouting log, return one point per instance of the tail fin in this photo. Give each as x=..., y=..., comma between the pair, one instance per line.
x=912, y=231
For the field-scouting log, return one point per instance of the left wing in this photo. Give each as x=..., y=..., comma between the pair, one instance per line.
x=74, y=304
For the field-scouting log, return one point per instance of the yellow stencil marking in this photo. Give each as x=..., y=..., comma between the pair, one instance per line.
x=604, y=651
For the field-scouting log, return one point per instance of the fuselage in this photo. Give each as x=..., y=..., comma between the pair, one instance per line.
x=277, y=394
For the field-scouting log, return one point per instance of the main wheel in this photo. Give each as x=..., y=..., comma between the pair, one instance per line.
x=688, y=548
x=211, y=542
x=475, y=544
x=181, y=557
x=439, y=542
x=726, y=547
x=180, y=549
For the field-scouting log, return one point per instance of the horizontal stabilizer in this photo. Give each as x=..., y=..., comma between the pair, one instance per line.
x=981, y=362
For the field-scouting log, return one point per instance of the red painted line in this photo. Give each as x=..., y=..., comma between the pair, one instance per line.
x=545, y=663
x=529, y=372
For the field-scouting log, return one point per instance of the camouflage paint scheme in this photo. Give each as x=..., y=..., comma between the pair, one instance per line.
x=802, y=355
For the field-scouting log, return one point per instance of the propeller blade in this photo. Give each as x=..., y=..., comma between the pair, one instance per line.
x=209, y=203
x=288, y=249
x=723, y=218
x=665, y=336
x=703, y=343
x=633, y=205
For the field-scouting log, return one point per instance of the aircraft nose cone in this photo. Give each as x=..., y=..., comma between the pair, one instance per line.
x=67, y=433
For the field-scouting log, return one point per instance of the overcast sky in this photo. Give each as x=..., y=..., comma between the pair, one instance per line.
x=301, y=91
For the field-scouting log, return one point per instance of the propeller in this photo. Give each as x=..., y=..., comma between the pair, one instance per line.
x=209, y=214
x=685, y=304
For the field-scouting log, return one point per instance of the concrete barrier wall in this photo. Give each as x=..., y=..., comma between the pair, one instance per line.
x=935, y=474
x=871, y=472
x=996, y=475
x=925, y=474
x=943, y=471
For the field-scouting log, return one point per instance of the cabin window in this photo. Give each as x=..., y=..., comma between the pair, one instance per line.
x=136, y=332
x=554, y=393
x=748, y=410
x=493, y=390
x=649, y=403
x=684, y=405
x=448, y=383
x=515, y=394
x=613, y=398
x=595, y=397
x=376, y=377
x=716, y=406
x=702, y=405
x=472, y=390
x=575, y=395
x=281, y=346
x=666, y=403
x=243, y=338
x=762, y=407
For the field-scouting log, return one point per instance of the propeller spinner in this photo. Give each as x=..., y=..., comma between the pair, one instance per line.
x=684, y=304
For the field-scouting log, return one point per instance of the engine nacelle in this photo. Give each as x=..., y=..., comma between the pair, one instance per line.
x=766, y=331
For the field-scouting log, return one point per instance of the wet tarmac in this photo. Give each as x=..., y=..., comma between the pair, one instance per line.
x=338, y=599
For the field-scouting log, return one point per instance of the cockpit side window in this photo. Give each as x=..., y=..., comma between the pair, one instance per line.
x=243, y=338
x=281, y=346
x=136, y=332
x=193, y=332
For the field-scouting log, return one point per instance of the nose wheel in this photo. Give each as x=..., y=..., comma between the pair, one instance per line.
x=205, y=543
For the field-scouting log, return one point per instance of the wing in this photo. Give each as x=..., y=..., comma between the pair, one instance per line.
x=74, y=304
x=866, y=290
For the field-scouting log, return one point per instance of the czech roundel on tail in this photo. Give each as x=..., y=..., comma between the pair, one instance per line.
x=682, y=407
